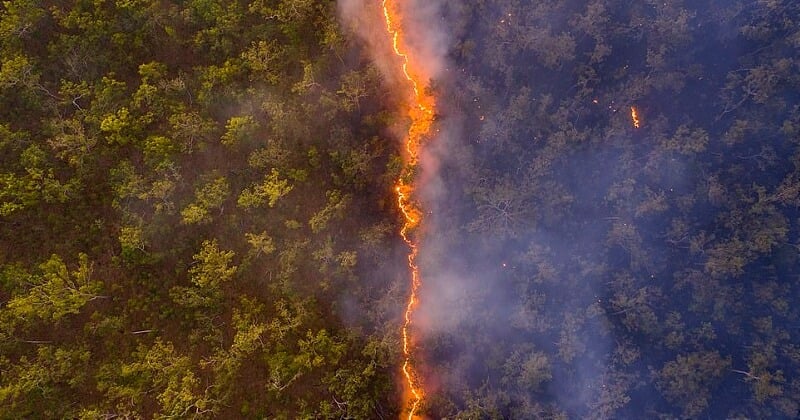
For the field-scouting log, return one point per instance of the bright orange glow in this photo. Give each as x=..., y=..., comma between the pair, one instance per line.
x=635, y=117
x=421, y=113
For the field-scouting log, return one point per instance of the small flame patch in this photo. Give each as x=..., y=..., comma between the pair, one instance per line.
x=635, y=117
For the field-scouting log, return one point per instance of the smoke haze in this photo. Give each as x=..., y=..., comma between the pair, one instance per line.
x=574, y=264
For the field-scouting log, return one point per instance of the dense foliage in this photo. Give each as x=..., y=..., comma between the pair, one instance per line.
x=194, y=213
x=622, y=272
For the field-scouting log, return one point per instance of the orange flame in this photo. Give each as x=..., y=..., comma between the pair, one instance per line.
x=635, y=117
x=421, y=113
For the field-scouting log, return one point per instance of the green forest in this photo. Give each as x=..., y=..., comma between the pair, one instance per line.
x=198, y=219
x=189, y=192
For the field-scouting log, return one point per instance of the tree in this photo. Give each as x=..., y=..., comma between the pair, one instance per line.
x=353, y=88
x=213, y=266
x=251, y=328
x=767, y=382
x=333, y=210
x=261, y=244
x=17, y=72
x=688, y=380
x=264, y=60
x=211, y=270
x=122, y=126
x=162, y=371
x=131, y=240
x=687, y=141
x=501, y=209
x=528, y=369
x=159, y=150
x=19, y=21
x=208, y=197
x=71, y=142
x=39, y=383
x=191, y=130
x=268, y=192
x=54, y=292
x=238, y=130
x=38, y=183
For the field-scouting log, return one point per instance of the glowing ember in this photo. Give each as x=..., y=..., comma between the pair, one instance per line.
x=635, y=117
x=420, y=111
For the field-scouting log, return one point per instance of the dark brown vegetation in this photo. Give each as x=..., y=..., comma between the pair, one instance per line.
x=644, y=272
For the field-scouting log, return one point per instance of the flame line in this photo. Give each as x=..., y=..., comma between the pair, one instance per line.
x=421, y=114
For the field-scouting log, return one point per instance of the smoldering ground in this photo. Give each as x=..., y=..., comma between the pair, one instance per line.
x=472, y=317
x=575, y=265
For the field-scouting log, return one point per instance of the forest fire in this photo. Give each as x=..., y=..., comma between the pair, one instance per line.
x=635, y=117
x=420, y=111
